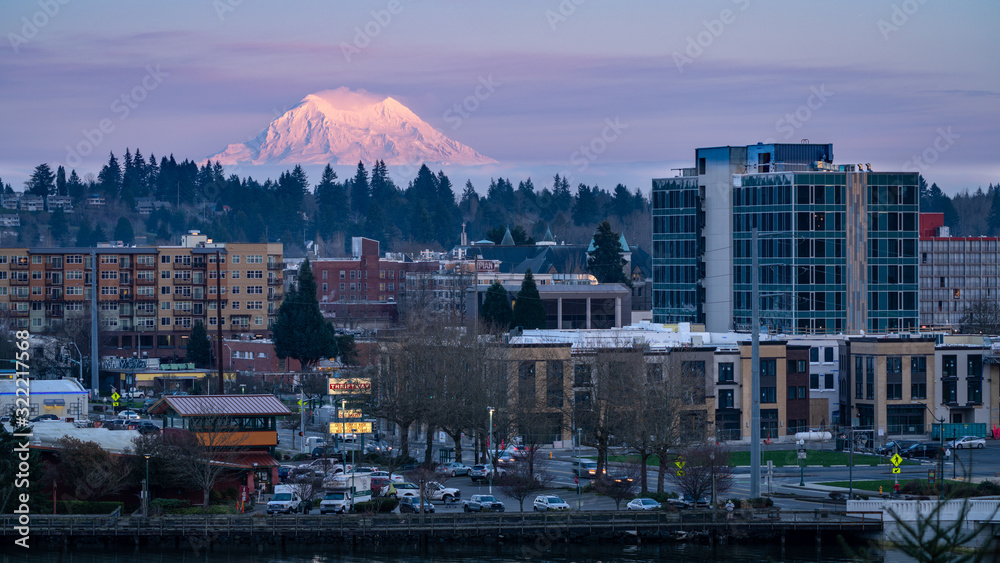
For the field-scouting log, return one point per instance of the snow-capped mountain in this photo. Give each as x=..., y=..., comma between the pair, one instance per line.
x=344, y=127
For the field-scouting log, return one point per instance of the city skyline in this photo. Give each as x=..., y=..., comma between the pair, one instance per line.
x=606, y=93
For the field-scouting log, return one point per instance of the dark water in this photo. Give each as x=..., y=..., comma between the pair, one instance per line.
x=463, y=553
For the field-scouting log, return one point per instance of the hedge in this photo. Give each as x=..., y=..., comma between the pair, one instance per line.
x=381, y=505
x=87, y=507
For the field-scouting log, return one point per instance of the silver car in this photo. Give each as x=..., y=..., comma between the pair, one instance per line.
x=966, y=442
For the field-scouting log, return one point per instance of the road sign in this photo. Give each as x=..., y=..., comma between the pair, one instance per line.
x=359, y=427
x=931, y=475
x=802, y=454
x=115, y=396
x=895, y=470
x=349, y=386
x=895, y=459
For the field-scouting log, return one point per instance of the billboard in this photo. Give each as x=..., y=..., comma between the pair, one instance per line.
x=349, y=386
x=359, y=427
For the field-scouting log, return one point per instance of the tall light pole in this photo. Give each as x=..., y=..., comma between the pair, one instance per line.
x=489, y=451
x=145, y=504
x=81, y=360
x=754, y=371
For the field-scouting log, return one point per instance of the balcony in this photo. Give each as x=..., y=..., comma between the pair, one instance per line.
x=19, y=281
x=139, y=266
x=275, y=281
x=275, y=265
x=19, y=264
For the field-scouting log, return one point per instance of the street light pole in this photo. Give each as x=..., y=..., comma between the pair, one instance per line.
x=754, y=371
x=489, y=451
x=145, y=504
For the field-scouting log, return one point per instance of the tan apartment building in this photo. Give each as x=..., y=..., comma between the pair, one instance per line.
x=541, y=382
x=785, y=404
x=148, y=298
x=888, y=385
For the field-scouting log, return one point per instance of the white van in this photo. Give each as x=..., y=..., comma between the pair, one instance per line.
x=585, y=468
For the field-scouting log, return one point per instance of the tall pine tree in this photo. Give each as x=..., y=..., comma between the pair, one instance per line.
x=496, y=310
x=528, y=310
x=301, y=332
x=605, y=261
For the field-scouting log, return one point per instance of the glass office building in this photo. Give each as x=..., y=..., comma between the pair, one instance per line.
x=678, y=218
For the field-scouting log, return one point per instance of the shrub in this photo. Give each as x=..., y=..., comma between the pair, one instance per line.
x=170, y=503
x=760, y=502
x=662, y=498
x=87, y=507
x=301, y=457
x=380, y=505
x=988, y=488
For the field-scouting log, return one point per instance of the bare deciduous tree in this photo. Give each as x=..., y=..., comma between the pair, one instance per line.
x=88, y=471
x=207, y=452
x=703, y=464
x=519, y=482
x=620, y=482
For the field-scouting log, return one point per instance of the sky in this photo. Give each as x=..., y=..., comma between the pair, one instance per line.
x=606, y=92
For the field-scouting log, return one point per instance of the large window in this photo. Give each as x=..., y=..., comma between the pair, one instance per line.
x=554, y=384
x=726, y=373
x=859, y=377
x=918, y=377
x=768, y=368
x=975, y=390
x=526, y=383
x=949, y=392
x=726, y=399
x=870, y=377
x=769, y=394
x=949, y=366
x=905, y=419
x=894, y=377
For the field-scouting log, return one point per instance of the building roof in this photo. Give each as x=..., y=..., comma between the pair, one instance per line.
x=244, y=460
x=68, y=386
x=47, y=435
x=508, y=239
x=213, y=405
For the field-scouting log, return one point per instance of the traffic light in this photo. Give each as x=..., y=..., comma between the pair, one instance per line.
x=300, y=433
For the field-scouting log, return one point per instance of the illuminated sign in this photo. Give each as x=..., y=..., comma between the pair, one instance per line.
x=358, y=427
x=350, y=386
x=350, y=413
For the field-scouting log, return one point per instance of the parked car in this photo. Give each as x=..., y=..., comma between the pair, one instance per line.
x=697, y=503
x=643, y=504
x=483, y=472
x=966, y=442
x=927, y=450
x=400, y=490
x=544, y=503
x=147, y=427
x=336, y=502
x=436, y=491
x=483, y=503
x=454, y=469
x=390, y=476
x=45, y=418
x=679, y=503
x=283, y=471
x=412, y=505
x=128, y=415
x=894, y=446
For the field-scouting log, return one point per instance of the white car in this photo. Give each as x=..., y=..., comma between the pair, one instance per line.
x=390, y=476
x=643, y=504
x=966, y=442
x=130, y=415
x=549, y=502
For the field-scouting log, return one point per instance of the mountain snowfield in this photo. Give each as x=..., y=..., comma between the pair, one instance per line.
x=344, y=127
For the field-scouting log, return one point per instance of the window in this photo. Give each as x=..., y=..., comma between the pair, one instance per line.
x=769, y=394
x=581, y=375
x=949, y=365
x=109, y=259
x=109, y=275
x=814, y=355
x=975, y=366
x=259, y=274
x=554, y=383
x=918, y=377
x=829, y=380
x=791, y=393
x=258, y=320
x=949, y=392
x=814, y=381
x=975, y=391
x=255, y=259
x=768, y=368
x=235, y=290
x=235, y=275
x=894, y=378
x=870, y=377
x=164, y=259
x=235, y=258
x=859, y=384
x=257, y=290
x=726, y=374
x=70, y=259
x=164, y=274
x=727, y=398
x=108, y=291
x=828, y=354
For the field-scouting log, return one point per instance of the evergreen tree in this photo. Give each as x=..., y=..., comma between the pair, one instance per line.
x=58, y=227
x=623, y=203
x=124, y=232
x=75, y=188
x=528, y=310
x=110, y=178
x=360, y=191
x=85, y=234
x=199, y=348
x=496, y=309
x=61, y=181
x=99, y=235
x=470, y=201
x=585, y=206
x=300, y=331
x=605, y=261
x=42, y=181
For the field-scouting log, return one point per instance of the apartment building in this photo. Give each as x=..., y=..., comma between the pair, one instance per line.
x=148, y=297
x=837, y=248
x=955, y=272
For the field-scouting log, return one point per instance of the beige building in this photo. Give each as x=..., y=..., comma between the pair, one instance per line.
x=149, y=298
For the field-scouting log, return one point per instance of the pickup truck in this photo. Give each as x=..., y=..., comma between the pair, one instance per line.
x=483, y=503
x=436, y=491
x=286, y=503
x=336, y=502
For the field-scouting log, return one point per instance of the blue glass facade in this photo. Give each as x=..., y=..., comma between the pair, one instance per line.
x=678, y=218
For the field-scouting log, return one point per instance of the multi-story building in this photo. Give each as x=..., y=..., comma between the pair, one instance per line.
x=888, y=385
x=148, y=297
x=837, y=249
x=955, y=272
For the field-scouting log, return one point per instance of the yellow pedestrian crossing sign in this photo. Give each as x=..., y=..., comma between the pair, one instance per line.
x=115, y=396
x=896, y=460
x=680, y=463
x=895, y=470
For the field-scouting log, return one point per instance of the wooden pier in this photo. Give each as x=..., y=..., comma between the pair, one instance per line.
x=556, y=526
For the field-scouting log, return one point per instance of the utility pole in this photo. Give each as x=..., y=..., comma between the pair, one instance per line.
x=754, y=371
x=218, y=312
x=95, y=379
